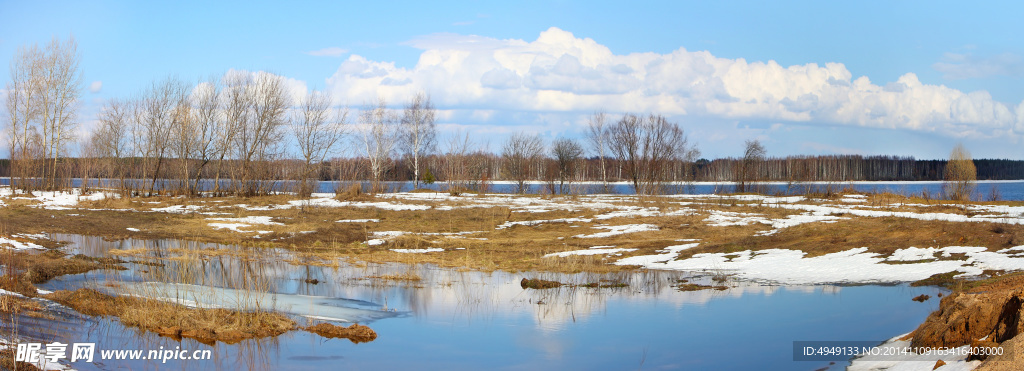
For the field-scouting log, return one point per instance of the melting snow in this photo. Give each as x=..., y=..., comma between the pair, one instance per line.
x=614, y=230
x=535, y=222
x=330, y=308
x=266, y=220
x=591, y=251
x=850, y=266
x=19, y=245
x=418, y=251
x=178, y=209
x=232, y=226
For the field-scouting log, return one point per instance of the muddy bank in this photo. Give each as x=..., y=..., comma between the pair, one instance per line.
x=983, y=314
x=355, y=333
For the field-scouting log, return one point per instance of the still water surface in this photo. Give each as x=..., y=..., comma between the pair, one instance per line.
x=473, y=320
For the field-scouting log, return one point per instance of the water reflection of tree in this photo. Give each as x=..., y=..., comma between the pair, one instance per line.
x=463, y=297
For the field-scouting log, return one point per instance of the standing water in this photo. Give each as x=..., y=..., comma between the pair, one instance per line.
x=451, y=319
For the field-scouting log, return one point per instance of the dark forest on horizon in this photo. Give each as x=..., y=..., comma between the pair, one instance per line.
x=795, y=168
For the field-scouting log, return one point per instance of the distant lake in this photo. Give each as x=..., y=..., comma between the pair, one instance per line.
x=1007, y=190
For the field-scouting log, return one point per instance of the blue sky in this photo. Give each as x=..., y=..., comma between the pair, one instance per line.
x=812, y=77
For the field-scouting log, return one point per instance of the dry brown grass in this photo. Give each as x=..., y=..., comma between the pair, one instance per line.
x=174, y=320
x=15, y=306
x=42, y=267
x=129, y=252
x=7, y=357
x=313, y=233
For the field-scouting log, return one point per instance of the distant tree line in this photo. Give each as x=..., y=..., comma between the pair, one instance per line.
x=838, y=168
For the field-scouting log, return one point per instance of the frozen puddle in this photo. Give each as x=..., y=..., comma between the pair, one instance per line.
x=318, y=307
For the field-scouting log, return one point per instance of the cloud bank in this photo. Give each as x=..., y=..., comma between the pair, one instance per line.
x=559, y=72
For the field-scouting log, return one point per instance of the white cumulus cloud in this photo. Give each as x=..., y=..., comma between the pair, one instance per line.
x=563, y=73
x=95, y=86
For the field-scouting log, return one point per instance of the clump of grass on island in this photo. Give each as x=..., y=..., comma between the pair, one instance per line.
x=175, y=320
x=686, y=285
x=538, y=284
x=401, y=277
x=355, y=333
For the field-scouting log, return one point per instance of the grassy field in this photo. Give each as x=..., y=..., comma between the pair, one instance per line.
x=516, y=233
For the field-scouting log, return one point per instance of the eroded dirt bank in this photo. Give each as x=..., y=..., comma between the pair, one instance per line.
x=983, y=314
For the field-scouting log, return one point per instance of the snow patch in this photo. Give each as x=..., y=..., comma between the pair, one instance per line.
x=418, y=251
x=265, y=220
x=851, y=266
x=13, y=244
x=232, y=226
x=178, y=209
x=614, y=230
x=535, y=222
x=591, y=251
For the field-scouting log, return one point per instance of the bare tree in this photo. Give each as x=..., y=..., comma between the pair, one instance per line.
x=60, y=87
x=597, y=135
x=22, y=114
x=379, y=135
x=110, y=140
x=89, y=164
x=960, y=174
x=160, y=113
x=520, y=154
x=647, y=147
x=456, y=160
x=210, y=124
x=317, y=129
x=418, y=131
x=259, y=136
x=749, y=169
x=42, y=106
x=186, y=138
x=236, y=114
x=567, y=154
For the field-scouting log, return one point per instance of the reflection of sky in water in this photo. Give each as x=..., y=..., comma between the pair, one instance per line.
x=473, y=320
